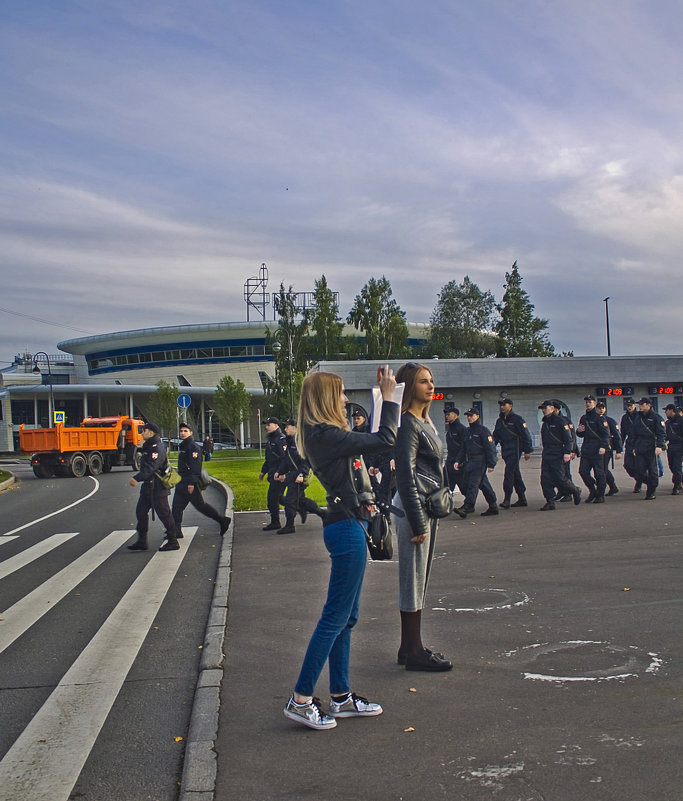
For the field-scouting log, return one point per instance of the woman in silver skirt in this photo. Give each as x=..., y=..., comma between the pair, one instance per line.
x=419, y=472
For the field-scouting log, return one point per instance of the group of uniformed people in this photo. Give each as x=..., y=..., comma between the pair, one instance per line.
x=641, y=437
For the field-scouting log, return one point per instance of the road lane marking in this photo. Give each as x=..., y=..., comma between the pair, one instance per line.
x=56, y=512
x=34, y=552
x=20, y=617
x=47, y=758
x=3, y=540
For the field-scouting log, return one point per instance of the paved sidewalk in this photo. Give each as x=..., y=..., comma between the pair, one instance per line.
x=565, y=631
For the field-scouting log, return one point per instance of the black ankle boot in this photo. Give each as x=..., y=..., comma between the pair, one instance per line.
x=140, y=544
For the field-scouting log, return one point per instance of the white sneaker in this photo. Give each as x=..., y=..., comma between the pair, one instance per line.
x=310, y=714
x=354, y=706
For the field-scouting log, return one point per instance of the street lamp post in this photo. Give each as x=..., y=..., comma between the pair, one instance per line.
x=277, y=347
x=609, y=346
x=36, y=370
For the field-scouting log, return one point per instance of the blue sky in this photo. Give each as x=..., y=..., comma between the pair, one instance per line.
x=154, y=154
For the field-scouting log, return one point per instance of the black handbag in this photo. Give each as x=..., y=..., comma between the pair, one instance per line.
x=379, y=537
x=440, y=503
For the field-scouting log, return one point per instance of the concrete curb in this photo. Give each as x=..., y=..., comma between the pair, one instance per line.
x=199, y=769
x=7, y=482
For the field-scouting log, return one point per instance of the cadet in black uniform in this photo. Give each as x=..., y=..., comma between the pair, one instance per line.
x=455, y=431
x=595, y=433
x=477, y=454
x=649, y=439
x=275, y=450
x=558, y=445
x=153, y=494
x=674, y=450
x=626, y=427
x=190, y=469
x=512, y=434
x=615, y=447
x=295, y=472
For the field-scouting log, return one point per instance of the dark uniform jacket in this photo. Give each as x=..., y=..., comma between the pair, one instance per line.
x=419, y=471
x=275, y=450
x=478, y=448
x=336, y=456
x=674, y=432
x=455, y=433
x=512, y=434
x=615, y=442
x=189, y=461
x=152, y=460
x=626, y=426
x=292, y=461
x=595, y=434
x=649, y=432
x=556, y=436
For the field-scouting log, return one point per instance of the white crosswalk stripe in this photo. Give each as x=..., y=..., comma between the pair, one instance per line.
x=31, y=554
x=47, y=758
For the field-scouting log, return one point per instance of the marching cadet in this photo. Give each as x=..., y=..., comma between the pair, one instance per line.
x=455, y=431
x=274, y=451
x=512, y=434
x=674, y=450
x=649, y=440
x=626, y=427
x=477, y=454
x=615, y=447
x=558, y=446
x=595, y=433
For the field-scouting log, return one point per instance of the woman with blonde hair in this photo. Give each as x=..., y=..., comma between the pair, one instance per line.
x=335, y=454
x=419, y=473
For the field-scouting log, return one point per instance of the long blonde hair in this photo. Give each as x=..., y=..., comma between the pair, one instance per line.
x=320, y=403
x=407, y=374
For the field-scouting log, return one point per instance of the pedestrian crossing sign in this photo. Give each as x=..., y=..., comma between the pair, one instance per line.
x=60, y=417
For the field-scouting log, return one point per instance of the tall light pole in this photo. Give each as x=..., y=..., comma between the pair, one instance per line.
x=609, y=346
x=277, y=347
x=36, y=370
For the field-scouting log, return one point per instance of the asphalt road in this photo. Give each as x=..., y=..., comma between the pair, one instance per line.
x=565, y=633
x=99, y=646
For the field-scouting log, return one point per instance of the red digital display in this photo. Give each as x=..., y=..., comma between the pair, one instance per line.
x=437, y=396
x=615, y=391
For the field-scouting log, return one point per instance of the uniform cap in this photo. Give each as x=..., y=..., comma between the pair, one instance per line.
x=358, y=413
x=629, y=402
x=471, y=411
x=449, y=407
x=556, y=404
x=601, y=405
x=152, y=427
x=670, y=406
x=546, y=403
x=290, y=422
x=589, y=397
x=271, y=420
x=645, y=400
x=504, y=401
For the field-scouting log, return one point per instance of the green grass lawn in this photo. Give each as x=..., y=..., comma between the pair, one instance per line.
x=241, y=472
x=4, y=475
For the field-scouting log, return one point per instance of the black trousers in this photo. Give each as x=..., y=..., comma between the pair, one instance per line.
x=275, y=492
x=182, y=497
x=151, y=498
x=512, y=479
x=554, y=475
x=295, y=500
x=609, y=476
x=629, y=461
x=595, y=465
x=477, y=479
x=647, y=470
x=674, y=456
x=455, y=478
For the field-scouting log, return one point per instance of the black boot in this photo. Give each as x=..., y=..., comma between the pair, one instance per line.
x=676, y=490
x=304, y=514
x=613, y=490
x=492, y=510
x=171, y=543
x=549, y=506
x=521, y=501
x=505, y=503
x=140, y=544
x=274, y=525
x=638, y=486
x=225, y=525
x=288, y=527
x=591, y=496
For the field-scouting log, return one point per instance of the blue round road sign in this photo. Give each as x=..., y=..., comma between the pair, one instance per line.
x=184, y=401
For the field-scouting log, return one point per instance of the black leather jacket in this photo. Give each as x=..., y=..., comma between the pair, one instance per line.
x=419, y=472
x=336, y=456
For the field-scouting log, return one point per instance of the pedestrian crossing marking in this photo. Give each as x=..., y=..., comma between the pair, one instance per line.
x=24, y=613
x=31, y=554
x=47, y=758
x=6, y=538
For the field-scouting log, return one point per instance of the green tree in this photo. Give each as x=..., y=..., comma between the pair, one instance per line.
x=289, y=346
x=518, y=331
x=163, y=407
x=462, y=322
x=381, y=319
x=232, y=403
x=325, y=323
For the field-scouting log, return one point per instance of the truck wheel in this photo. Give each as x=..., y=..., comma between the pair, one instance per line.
x=41, y=470
x=95, y=463
x=78, y=466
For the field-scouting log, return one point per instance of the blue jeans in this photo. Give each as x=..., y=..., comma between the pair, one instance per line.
x=345, y=542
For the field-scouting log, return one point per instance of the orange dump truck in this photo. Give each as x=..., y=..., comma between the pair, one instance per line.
x=99, y=444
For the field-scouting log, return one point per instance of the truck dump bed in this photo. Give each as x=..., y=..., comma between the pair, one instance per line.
x=64, y=440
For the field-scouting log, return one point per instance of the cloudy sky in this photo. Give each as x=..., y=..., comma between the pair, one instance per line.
x=153, y=154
